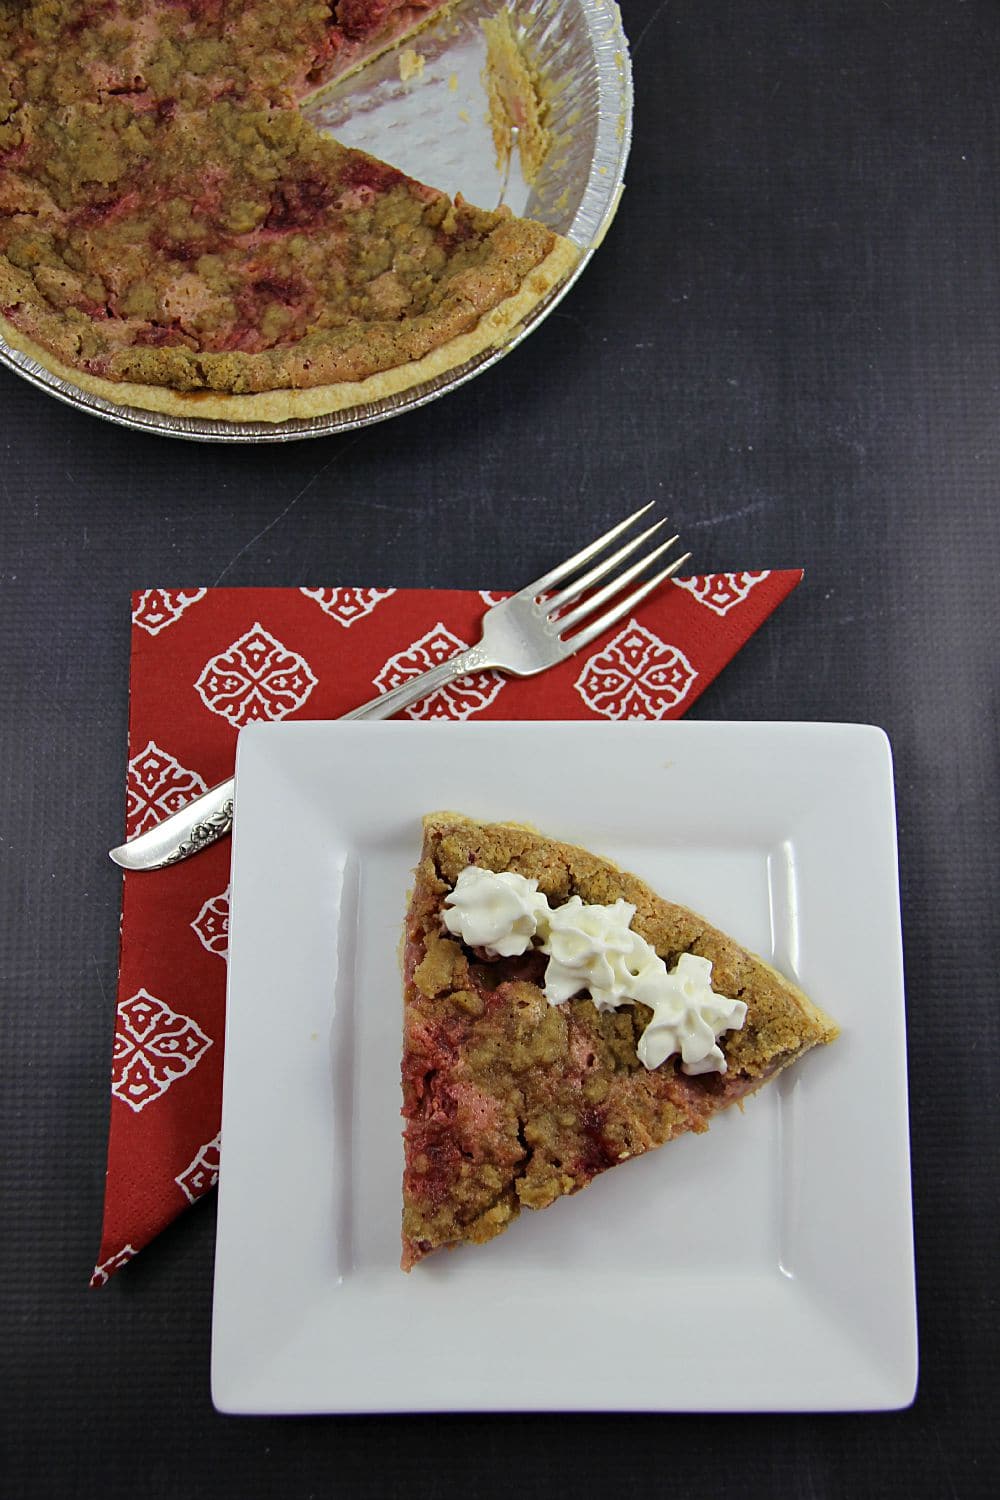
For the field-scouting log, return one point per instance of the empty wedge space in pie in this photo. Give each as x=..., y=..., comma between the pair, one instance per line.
x=560, y=1019
x=175, y=235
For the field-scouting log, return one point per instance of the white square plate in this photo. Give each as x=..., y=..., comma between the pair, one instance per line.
x=765, y=1266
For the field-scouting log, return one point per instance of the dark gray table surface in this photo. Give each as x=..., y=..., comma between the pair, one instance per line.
x=792, y=338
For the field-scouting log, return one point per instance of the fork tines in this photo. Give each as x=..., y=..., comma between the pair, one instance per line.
x=555, y=606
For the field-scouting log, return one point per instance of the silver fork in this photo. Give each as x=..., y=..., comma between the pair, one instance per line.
x=522, y=635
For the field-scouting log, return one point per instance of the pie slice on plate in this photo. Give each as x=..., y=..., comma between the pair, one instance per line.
x=560, y=1022
x=175, y=235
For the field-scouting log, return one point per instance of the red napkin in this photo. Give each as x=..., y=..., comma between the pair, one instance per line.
x=207, y=661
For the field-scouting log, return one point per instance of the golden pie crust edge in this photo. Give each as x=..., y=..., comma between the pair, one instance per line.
x=822, y=1027
x=494, y=328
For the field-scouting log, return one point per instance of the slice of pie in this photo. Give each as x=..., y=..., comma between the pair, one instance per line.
x=174, y=234
x=513, y=1096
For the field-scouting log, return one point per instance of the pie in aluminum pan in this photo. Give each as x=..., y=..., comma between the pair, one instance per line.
x=174, y=235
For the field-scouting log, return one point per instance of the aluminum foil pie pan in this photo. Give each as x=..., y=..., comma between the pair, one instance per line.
x=434, y=126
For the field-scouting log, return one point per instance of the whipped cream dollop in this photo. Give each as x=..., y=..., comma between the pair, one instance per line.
x=688, y=1016
x=499, y=913
x=593, y=948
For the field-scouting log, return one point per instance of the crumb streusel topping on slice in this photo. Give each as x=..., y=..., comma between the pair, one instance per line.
x=510, y=1101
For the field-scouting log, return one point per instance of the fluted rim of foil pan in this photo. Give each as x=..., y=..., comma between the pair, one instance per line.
x=598, y=105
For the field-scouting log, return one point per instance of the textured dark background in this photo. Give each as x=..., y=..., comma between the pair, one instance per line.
x=792, y=337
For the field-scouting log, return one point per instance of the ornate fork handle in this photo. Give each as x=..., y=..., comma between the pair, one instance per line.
x=214, y=826
x=475, y=659
x=209, y=817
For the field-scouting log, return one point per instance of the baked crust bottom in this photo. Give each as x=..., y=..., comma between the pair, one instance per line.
x=494, y=329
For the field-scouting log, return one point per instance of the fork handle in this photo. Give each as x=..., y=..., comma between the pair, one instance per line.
x=475, y=659
x=209, y=817
x=201, y=822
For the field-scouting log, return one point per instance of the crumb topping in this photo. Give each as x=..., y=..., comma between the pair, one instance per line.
x=168, y=217
x=559, y=1093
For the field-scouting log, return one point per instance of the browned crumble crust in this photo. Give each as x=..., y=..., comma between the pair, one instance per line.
x=169, y=219
x=511, y=1102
